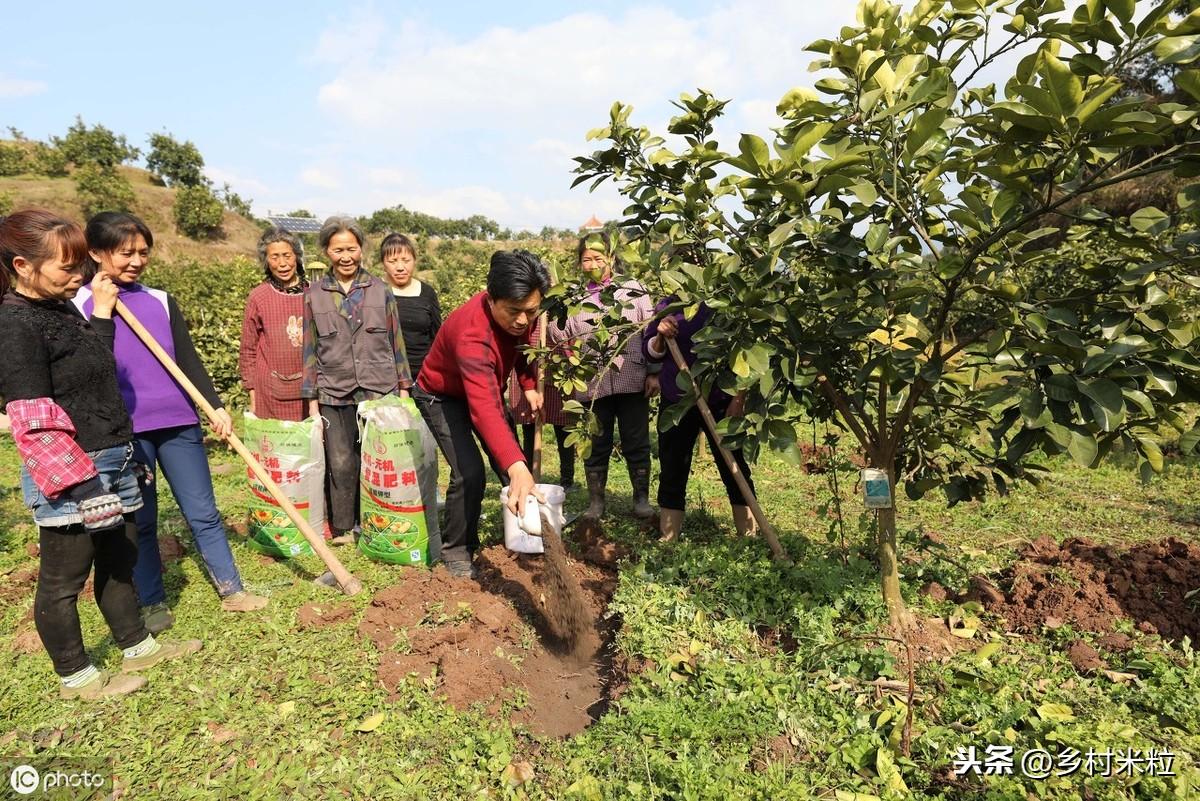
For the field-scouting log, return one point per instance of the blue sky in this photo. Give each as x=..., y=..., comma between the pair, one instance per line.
x=451, y=108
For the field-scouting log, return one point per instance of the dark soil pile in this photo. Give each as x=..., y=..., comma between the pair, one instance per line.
x=489, y=641
x=1092, y=586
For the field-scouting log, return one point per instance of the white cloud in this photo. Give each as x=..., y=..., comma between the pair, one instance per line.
x=387, y=176
x=320, y=178
x=11, y=88
x=241, y=184
x=487, y=123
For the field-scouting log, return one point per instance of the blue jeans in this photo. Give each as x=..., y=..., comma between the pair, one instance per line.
x=181, y=455
x=115, y=466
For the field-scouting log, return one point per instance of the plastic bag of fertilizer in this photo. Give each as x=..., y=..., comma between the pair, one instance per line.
x=293, y=454
x=398, y=500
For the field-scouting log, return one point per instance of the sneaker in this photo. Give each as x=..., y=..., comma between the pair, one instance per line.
x=104, y=686
x=157, y=617
x=168, y=649
x=242, y=601
x=462, y=568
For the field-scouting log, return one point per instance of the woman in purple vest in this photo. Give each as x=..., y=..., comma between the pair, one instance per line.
x=353, y=351
x=165, y=423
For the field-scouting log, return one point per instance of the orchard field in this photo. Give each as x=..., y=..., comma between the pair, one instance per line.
x=723, y=675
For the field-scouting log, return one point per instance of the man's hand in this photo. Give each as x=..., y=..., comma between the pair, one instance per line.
x=534, y=398
x=404, y=393
x=104, y=294
x=521, y=485
x=252, y=409
x=221, y=423
x=651, y=387
x=314, y=409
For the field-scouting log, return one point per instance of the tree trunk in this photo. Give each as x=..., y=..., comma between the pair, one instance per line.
x=889, y=565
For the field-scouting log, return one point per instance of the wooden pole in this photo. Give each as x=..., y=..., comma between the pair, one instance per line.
x=539, y=417
x=348, y=583
x=710, y=422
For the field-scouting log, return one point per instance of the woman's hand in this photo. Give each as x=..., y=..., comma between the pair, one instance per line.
x=520, y=486
x=404, y=393
x=221, y=423
x=252, y=409
x=104, y=296
x=314, y=409
x=534, y=398
x=737, y=406
x=652, y=386
x=668, y=327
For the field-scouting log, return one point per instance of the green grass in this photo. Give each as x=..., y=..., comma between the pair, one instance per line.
x=715, y=716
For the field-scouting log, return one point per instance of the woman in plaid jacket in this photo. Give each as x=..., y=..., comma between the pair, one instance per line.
x=620, y=394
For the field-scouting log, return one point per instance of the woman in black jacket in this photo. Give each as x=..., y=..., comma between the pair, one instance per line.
x=72, y=431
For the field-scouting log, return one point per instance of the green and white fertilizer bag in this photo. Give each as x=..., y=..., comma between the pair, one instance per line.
x=398, y=500
x=293, y=455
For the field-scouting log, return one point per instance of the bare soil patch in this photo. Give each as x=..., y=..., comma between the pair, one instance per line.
x=504, y=638
x=1092, y=587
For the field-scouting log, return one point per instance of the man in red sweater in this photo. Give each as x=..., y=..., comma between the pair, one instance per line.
x=460, y=392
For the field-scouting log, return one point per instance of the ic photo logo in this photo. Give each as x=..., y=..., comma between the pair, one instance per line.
x=24, y=779
x=80, y=778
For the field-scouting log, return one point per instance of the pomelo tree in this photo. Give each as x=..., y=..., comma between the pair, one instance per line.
x=884, y=262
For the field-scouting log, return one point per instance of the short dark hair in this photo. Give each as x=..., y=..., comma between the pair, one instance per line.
x=108, y=230
x=515, y=274
x=396, y=243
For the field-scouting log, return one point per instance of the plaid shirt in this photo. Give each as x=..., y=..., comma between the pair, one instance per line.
x=628, y=371
x=349, y=305
x=45, y=438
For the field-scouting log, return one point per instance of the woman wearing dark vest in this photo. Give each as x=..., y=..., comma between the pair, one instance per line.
x=73, y=434
x=166, y=425
x=353, y=351
x=271, y=358
x=420, y=313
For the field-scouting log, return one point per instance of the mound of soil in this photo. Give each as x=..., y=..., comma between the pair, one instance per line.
x=486, y=641
x=1093, y=586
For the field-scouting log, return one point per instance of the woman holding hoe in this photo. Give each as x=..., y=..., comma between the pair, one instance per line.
x=73, y=434
x=166, y=425
x=676, y=444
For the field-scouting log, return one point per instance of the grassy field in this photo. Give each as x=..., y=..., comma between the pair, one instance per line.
x=717, y=711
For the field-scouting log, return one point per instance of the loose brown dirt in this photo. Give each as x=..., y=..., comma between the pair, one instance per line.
x=319, y=615
x=1091, y=587
x=499, y=640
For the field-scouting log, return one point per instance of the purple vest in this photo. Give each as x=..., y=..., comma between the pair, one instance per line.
x=152, y=396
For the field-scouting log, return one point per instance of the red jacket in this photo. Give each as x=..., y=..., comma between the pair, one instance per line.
x=471, y=358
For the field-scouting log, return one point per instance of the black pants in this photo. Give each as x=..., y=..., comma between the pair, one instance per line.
x=67, y=556
x=566, y=453
x=342, y=466
x=630, y=411
x=675, y=447
x=449, y=419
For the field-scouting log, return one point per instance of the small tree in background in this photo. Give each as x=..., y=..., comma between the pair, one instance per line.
x=198, y=213
x=879, y=265
x=175, y=163
x=102, y=189
x=96, y=145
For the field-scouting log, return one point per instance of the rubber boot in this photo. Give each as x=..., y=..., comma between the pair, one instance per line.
x=670, y=524
x=640, y=479
x=596, y=481
x=743, y=520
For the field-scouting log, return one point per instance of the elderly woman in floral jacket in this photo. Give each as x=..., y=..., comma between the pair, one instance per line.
x=620, y=394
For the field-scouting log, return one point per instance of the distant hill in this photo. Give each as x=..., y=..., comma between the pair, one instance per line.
x=155, y=204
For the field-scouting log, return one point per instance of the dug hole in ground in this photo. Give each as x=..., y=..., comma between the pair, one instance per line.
x=530, y=638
